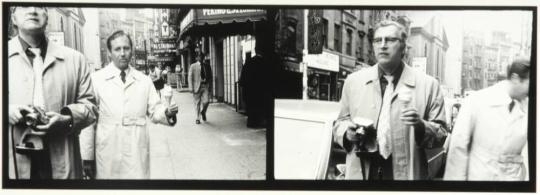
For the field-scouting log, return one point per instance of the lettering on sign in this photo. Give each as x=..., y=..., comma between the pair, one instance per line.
x=211, y=12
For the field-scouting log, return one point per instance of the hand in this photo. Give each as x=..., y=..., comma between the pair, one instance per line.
x=89, y=169
x=15, y=115
x=410, y=116
x=55, y=120
x=172, y=109
x=351, y=134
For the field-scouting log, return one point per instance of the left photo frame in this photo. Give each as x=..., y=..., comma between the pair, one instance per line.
x=144, y=92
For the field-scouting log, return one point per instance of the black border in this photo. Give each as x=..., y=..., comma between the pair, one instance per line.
x=270, y=183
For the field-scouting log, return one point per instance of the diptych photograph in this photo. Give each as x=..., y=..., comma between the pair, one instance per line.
x=269, y=97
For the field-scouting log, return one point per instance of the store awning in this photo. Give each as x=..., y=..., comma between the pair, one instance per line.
x=225, y=16
x=208, y=21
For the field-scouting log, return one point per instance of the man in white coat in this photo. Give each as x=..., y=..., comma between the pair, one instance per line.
x=125, y=98
x=490, y=133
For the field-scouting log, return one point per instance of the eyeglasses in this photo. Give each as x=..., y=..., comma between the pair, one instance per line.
x=383, y=40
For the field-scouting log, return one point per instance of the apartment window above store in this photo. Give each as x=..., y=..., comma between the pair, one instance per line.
x=360, y=50
x=348, y=43
x=337, y=37
x=325, y=32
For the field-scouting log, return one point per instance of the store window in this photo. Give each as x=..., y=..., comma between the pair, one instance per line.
x=325, y=33
x=337, y=37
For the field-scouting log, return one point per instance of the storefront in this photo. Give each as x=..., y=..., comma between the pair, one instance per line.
x=226, y=36
x=322, y=76
x=164, y=50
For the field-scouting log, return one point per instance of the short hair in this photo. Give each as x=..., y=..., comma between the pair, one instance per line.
x=402, y=30
x=117, y=34
x=520, y=66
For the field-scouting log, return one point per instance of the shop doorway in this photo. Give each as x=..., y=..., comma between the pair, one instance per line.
x=219, y=80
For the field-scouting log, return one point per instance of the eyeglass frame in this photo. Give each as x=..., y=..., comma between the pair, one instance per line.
x=382, y=40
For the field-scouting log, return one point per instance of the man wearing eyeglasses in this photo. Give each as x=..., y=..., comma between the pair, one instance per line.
x=374, y=125
x=56, y=79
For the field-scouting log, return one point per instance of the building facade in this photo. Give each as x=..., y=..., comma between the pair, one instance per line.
x=227, y=37
x=67, y=22
x=347, y=36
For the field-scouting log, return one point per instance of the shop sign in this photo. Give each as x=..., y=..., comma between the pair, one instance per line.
x=324, y=61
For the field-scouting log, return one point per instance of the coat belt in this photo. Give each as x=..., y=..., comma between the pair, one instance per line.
x=125, y=121
x=500, y=158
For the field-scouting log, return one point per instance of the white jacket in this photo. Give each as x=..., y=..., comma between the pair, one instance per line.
x=121, y=138
x=487, y=140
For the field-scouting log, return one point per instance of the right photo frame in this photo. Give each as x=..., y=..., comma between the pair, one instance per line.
x=432, y=94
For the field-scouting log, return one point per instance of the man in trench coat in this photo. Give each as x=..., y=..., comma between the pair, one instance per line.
x=388, y=156
x=65, y=93
x=489, y=140
x=125, y=98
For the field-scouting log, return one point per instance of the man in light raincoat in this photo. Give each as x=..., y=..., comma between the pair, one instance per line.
x=65, y=94
x=489, y=140
x=375, y=94
x=125, y=98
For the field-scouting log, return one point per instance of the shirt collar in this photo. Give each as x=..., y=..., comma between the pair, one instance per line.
x=396, y=74
x=115, y=71
x=500, y=96
x=42, y=46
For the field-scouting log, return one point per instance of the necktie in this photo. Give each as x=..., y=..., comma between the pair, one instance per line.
x=123, y=76
x=384, y=135
x=38, y=98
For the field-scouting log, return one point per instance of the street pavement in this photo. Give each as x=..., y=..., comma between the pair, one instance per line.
x=221, y=148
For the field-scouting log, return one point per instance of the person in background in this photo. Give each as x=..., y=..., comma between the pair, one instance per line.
x=55, y=79
x=178, y=71
x=199, y=79
x=126, y=98
x=490, y=133
x=155, y=76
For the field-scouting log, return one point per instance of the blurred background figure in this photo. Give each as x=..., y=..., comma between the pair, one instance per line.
x=490, y=133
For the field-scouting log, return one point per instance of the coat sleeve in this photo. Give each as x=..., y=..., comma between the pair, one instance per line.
x=190, y=77
x=432, y=131
x=344, y=119
x=155, y=107
x=458, y=152
x=87, y=135
x=83, y=110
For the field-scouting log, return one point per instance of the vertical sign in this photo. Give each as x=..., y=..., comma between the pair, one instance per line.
x=315, y=31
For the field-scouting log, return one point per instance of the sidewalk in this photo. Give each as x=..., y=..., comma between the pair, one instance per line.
x=220, y=148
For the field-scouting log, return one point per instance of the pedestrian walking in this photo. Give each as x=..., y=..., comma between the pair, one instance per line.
x=200, y=78
x=55, y=80
x=126, y=97
x=385, y=138
x=178, y=71
x=490, y=132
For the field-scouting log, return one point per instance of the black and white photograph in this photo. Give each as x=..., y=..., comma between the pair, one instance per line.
x=136, y=93
x=246, y=96
x=406, y=95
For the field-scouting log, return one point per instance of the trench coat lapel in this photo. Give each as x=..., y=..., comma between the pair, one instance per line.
x=15, y=47
x=376, y=88
x=130, y=78
x=407, y=79
x=113, y=75
x=53, y=53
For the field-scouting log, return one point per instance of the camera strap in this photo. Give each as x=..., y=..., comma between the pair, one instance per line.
x=13, y=152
